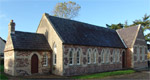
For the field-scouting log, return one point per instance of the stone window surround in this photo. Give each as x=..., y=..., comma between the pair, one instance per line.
x=54, y=54
x=106, y=50
x=45, y=57
x=105, y=55
x=89, y=53
x=102, y=55
x=71, y=51
x=138, y=47
x=78, y=55
x=95, y=55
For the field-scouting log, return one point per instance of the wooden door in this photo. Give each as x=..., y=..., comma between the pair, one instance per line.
x=34, y=64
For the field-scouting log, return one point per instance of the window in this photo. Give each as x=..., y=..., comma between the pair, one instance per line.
x=107, y=55
x=89, y=56
x=71, y=57
x=94, y=55
x=117, y=55
x=54, y=54
x=138, y=53
x=78, y=57
x=103, y=55
x=143, y=53
x=45, y=60
x=114, y=56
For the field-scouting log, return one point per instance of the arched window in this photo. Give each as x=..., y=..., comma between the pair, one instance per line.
x=71, y=57
x=143, y=53
x=45, y=60
x=103, y=55
x=89, y=56
x=94, y=55
x=138, y=53
x=54, y=54
x=107, y=55
x=78, y=57
x=114, y=55
x=118, y=55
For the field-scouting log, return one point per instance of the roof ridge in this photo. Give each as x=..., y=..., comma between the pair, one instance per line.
x=3, y=39
x=128, y=27
x=138, y=29
x=29, y=32
x=97, y=26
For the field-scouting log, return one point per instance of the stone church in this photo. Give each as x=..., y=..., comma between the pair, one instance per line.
x=67, y=47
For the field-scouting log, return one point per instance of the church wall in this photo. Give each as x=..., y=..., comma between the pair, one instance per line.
x=9, y=60
x=84, y=67
x=140, y=56
x=23, y=62
x=129, y=58
x=45, y=27
x=140, y=51
x=9, y=57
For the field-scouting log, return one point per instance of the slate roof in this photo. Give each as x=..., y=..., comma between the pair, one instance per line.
x=79, y=33
x=3, y=40
x=128, y=35
x=29, y=41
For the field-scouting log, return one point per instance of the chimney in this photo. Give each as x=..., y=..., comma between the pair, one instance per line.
x=11, y=27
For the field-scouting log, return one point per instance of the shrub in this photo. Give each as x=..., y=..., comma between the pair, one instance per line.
x=1, y=61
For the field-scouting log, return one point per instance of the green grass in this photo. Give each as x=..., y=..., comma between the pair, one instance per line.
x=104, y=74
x=2, y=76
x=1, y=68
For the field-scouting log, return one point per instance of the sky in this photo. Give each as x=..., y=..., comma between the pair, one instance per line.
x=28, y=13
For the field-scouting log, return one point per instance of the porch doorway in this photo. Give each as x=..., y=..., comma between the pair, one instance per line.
x=34, y=64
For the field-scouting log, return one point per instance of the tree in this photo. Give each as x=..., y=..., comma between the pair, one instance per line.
x=67, y=10
x=126, y=24
x=145, y=23
x=115, y=26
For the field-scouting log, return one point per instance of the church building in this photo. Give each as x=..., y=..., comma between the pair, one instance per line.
x=67, y=47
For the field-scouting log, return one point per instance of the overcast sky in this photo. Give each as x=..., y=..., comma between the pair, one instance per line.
x=27, y=13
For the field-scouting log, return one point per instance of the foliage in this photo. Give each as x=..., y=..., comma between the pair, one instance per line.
x=1, y=61
x=145, y=23
x=1, y=68
x=105, y=74
x=67, y=10
x=115, y=26
x=3, y=77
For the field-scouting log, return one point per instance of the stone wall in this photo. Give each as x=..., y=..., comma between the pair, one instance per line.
x=23, y=62
x=9, y=57
x=139, y=51
x=9, y=62
x=142, y=55
x=129, y=58
x=46, y=28
x=84, y=67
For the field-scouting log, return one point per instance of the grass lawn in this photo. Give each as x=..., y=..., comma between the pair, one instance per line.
x=2, y=76
x=104, y=74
